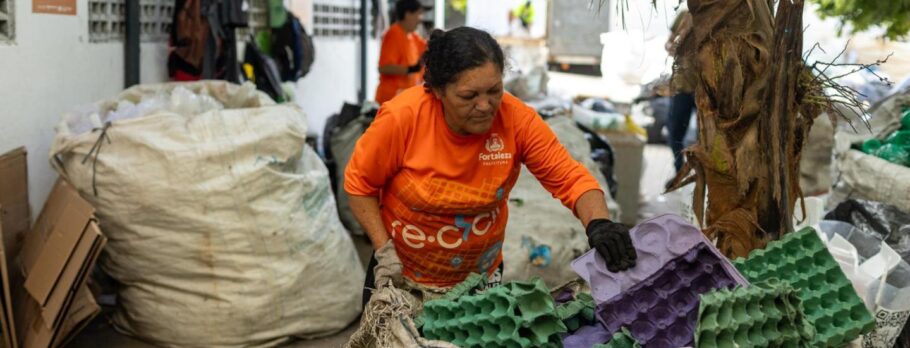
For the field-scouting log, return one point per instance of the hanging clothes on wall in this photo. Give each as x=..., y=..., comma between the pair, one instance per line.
x=202, y=40
x=291, y=46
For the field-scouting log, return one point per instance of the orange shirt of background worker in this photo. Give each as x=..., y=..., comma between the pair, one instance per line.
x=399, y=57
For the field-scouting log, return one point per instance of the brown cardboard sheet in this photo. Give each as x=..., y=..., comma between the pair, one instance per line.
x=65, y=233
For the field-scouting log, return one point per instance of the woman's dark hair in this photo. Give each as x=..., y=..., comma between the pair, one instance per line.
x=403, y=7
x=449, y=53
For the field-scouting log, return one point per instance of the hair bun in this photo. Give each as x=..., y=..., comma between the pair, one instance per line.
x=437, y=34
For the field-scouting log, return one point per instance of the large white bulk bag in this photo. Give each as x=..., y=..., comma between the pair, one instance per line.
x=223, y=229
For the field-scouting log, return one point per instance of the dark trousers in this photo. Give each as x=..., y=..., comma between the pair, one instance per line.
x=370, y=281
x=681, y=107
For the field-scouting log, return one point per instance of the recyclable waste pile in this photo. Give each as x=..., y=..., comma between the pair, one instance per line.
x=657, y=300
x=683, y=293
x=872, y=158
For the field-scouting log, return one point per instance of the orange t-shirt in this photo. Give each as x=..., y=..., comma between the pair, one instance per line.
x=444, y=196
x=398, y=48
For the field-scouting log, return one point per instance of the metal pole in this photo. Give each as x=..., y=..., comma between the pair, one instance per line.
x=131, y=54
x=362, y=93
x=439, y=14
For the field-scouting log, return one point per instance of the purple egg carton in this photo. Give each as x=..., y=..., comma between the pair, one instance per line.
x=662, y=311
x=657, y=241
x=587, y=337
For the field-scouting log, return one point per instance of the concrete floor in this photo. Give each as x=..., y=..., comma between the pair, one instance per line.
x=658, y=169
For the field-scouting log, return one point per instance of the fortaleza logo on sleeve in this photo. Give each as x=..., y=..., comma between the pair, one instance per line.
x=494, y=146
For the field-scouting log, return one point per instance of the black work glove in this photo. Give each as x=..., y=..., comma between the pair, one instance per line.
x=613, y=242
x=414, y=68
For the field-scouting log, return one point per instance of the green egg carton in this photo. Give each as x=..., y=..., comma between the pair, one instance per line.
x=829, y=302
x=518, y=314
x=765, y=314
x=577, y=312
x=472, y=283
x=621, y=339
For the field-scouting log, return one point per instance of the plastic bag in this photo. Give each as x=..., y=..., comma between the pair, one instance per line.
x=179, y=100
x=885, y=221
x=880, y=277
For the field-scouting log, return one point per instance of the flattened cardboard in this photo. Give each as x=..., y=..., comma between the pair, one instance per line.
x=57, y=217
x=78, y=311
x=15, y=214
x=35, y=334
x=34, y=241
x=61, y=243
x=6, y=320
x=82, y=255
x=81, y=278
x=82, y=312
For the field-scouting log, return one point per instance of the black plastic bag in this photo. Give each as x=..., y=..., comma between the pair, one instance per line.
x=883, y=220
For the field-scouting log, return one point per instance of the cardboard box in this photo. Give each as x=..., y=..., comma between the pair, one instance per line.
x=57, y=257
x=85, y=252
x=64, y=249
x=64, y=216
x=6, y=315
x=74, y=314
x=15, y=214
x=84, y=309
x=15, y=220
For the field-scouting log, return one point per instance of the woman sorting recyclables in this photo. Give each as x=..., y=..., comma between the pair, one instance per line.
x=399, y=56
x=430, y=179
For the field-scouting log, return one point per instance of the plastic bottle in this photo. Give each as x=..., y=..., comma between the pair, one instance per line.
x=900, y=138
x=871, y=146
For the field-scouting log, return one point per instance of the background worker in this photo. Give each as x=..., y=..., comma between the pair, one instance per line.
x=430, y=179
x=402, y=47
x=683, y=102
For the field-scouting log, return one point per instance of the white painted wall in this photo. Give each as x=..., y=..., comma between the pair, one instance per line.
x=50, y=68
x=335, y=79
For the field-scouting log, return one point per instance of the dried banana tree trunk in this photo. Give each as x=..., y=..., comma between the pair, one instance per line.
x=746, y=67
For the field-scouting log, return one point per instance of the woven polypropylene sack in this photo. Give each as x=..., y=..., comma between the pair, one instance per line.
x=222, y=227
